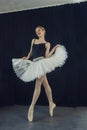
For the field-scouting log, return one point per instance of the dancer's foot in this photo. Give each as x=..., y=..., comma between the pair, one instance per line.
x=51, y=108
x=30, y=114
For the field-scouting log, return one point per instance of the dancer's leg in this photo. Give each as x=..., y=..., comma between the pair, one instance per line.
x=35, y=97
x=48, y=91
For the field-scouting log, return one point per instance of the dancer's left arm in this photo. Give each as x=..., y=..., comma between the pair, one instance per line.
x=48, y=53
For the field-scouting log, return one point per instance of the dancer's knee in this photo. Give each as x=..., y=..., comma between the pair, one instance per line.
x=38, y=84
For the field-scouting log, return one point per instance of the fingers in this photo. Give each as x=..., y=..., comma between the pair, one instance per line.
x=56, y=46
x=24, y=58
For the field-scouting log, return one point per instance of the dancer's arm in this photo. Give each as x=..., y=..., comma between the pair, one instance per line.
x=48, y=53
x=30, y=52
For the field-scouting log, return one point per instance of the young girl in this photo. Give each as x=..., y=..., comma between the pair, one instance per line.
x=39, y=61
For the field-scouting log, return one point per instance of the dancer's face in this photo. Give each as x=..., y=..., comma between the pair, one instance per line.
x=39, y=32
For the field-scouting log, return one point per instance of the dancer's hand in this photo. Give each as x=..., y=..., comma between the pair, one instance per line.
x=56, y=46
x=25, y=58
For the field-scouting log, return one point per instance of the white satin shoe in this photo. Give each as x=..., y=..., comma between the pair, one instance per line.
x=30, y=114
x=51, y=108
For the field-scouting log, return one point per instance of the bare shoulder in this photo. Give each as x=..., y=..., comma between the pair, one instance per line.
x=33, y=40
x=47, y=45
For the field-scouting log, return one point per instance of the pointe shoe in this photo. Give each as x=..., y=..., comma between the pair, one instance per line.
x=30, y=114
x=51, y=108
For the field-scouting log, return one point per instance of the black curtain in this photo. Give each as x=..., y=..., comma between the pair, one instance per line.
x=66, y=25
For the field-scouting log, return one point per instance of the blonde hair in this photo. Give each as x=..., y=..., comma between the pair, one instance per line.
x=43, y=29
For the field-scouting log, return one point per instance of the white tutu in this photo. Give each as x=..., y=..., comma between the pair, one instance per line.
x=28, y=70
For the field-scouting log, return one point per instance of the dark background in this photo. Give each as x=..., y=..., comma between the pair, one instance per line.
x=66, y=25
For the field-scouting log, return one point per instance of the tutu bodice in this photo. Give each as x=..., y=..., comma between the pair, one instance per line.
x=38, y=50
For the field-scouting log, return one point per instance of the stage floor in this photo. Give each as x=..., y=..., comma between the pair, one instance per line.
x=65, y=118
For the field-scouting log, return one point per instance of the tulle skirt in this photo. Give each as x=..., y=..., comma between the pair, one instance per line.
x=29, y=70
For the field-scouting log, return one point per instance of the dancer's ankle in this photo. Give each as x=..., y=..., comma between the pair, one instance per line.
x=51, y=102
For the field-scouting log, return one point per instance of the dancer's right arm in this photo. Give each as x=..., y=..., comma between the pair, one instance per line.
x=30, y=52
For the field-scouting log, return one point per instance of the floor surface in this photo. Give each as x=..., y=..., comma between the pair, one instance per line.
x=65, y=118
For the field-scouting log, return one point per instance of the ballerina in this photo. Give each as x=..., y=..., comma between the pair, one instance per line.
x=40, y=61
